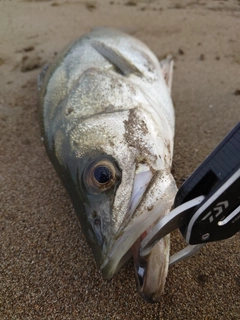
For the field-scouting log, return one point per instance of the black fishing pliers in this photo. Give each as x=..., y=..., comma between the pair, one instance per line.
x=207, y=205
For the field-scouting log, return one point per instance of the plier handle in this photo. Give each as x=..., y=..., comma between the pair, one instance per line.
x=207, y=206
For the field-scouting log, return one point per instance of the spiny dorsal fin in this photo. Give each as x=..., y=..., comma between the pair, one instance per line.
x=116, y=58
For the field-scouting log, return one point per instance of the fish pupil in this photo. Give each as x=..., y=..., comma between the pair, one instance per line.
x=103, y=174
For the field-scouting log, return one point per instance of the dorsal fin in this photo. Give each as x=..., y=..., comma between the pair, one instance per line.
x=116, y=58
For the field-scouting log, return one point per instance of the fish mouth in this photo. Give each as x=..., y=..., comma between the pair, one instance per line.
x=152, y=198
x=151, y=271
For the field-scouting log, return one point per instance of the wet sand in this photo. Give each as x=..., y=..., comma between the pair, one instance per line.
x=47, y=269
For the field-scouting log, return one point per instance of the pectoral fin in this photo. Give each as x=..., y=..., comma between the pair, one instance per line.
x=167, y=69
x=42, y=76
x=116, y=58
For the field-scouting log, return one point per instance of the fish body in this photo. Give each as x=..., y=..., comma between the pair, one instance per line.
x=107, y=123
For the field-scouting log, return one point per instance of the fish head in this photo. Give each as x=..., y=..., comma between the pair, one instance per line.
x=116, y=169
x=98, y=169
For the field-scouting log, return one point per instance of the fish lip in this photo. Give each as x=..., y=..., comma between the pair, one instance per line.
x=147, y=298
x=151, y=291
x=135, y=228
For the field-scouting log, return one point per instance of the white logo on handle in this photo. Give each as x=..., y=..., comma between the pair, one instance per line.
x=220, y=206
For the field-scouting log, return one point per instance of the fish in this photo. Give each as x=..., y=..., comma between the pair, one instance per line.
x=107, y=122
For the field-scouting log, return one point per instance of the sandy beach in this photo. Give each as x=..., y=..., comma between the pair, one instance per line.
x=47, y=268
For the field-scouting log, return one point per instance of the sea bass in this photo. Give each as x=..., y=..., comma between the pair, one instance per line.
x=107, y=122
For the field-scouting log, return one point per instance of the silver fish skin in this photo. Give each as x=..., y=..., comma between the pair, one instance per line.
x=107, y=122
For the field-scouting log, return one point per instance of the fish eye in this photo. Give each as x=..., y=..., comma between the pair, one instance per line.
x=101, y=175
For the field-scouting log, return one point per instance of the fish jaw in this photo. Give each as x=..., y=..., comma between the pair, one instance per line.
x=155, y=204
x=151, y=272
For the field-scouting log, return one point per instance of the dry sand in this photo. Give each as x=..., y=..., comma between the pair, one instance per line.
x=47, y=269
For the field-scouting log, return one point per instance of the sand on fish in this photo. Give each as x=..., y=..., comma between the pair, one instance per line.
x=47, y=269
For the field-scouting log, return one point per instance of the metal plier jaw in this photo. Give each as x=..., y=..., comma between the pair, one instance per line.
x=207, y=206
